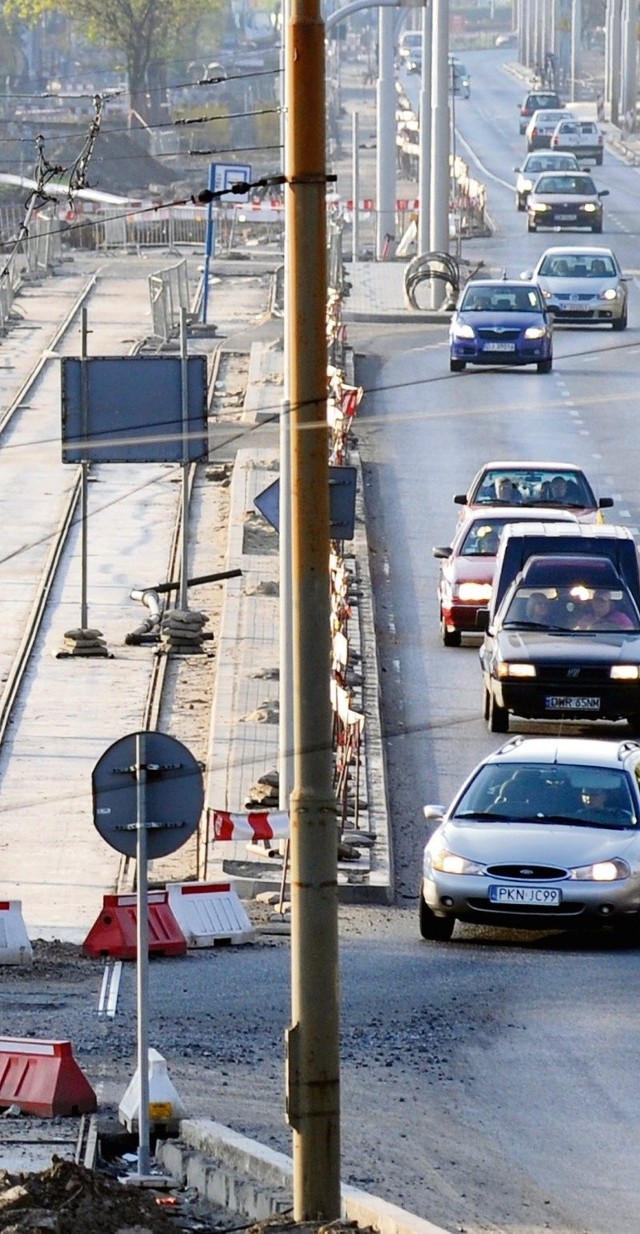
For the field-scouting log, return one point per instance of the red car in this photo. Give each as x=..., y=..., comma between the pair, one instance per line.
x=532, y=484
x=467, y=566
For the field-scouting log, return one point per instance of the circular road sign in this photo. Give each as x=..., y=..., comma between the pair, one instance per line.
x=172, y=796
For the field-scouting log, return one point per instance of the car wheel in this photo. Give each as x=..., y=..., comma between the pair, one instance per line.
x=597, y=228
x=544, y=366
x=486, y=704
x=434, y=929
x=498, y=717
x=620, y=323
x=599, y=160
x=456, y=366
x=520, y=203
x=531, y=226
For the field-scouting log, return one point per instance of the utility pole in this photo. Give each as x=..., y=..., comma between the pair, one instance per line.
x=313, y=1063
x=386, y=136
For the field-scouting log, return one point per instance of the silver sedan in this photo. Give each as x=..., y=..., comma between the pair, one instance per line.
x=544, y=834
x=583, y=285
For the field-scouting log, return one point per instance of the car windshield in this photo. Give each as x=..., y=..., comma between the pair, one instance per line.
x=578, y=266
x=549, y=793
x=571, y=606
x=535, y=487
x=546, y=162
x=483, y=537
x=506, y=298
x=582, y=185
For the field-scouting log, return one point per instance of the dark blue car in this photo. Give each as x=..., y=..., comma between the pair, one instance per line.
x=497, y=322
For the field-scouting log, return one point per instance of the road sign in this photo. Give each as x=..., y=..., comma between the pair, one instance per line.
x=173, y=792
x=342, y=503
x=222, y=175
x=128, y=409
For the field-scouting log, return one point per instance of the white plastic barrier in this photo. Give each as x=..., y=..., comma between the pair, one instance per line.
x=209, y=913
x=15, y=947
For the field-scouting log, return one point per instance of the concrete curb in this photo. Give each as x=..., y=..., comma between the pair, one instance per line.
x=230, y=1169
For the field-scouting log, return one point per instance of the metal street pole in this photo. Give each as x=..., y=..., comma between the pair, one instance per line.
x=386, y=136
x=313, y=1060
x=424, y=163
x=439, y=224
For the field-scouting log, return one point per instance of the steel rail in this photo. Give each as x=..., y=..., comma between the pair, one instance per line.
x=45, y=355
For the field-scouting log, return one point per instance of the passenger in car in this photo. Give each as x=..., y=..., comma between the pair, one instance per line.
x=608, y=616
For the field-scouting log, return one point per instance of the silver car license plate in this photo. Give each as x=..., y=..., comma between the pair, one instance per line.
x=566, y=218
x=561, y=702
x=499, y=347
x=546, y=896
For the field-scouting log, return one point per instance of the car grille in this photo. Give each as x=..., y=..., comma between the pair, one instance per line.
x=526, y=872
x=573, y=296
x=498, y=336
x=578, y=675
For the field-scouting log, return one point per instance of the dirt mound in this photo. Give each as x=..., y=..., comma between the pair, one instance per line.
x=68, y=1198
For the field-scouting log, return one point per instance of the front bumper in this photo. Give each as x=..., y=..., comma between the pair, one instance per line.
x=616, y=700
x=583, y=904
x=473, y=353
x=462, y=616
x=568, y=217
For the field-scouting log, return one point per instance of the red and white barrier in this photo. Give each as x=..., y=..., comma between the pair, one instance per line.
x=209, y=913
x=256, y=825
x=15, y=947
x=114, y=933
x=43, y=1077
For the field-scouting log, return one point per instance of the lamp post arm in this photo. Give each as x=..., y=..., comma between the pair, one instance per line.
x=356, y=5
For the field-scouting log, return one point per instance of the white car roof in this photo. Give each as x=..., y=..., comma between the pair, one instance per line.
x=528, y=464
x=583, y=751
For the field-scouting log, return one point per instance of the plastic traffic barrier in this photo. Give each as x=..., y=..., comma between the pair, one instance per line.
x=209, y=913
x=15, y=947
x=43, y=1077
x=256, y=825
x=166, y=1107
x=114, y=931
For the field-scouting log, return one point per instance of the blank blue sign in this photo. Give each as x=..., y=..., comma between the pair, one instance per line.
x=128, y=409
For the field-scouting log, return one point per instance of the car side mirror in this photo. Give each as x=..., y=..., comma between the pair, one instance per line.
x=603, y=192
x=552, y=308
x=482, y=619
x=605, y=503
x=442, y=552
x=526, y=274
x=460, y=499
x=516, y=169
x=433, y=814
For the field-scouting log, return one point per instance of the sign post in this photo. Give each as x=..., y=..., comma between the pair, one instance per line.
x=148, y=796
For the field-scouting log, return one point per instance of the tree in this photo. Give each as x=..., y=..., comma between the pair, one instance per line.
x=143, y=31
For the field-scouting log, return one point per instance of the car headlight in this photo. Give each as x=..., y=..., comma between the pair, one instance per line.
x=535, y=332
x=540, y=207
x=462, y=330
x=602, y=871
x=446, y=862
x=624, y=672
x=514, y=669
x=474, y=591
x=610, y=293
x=589, y=207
